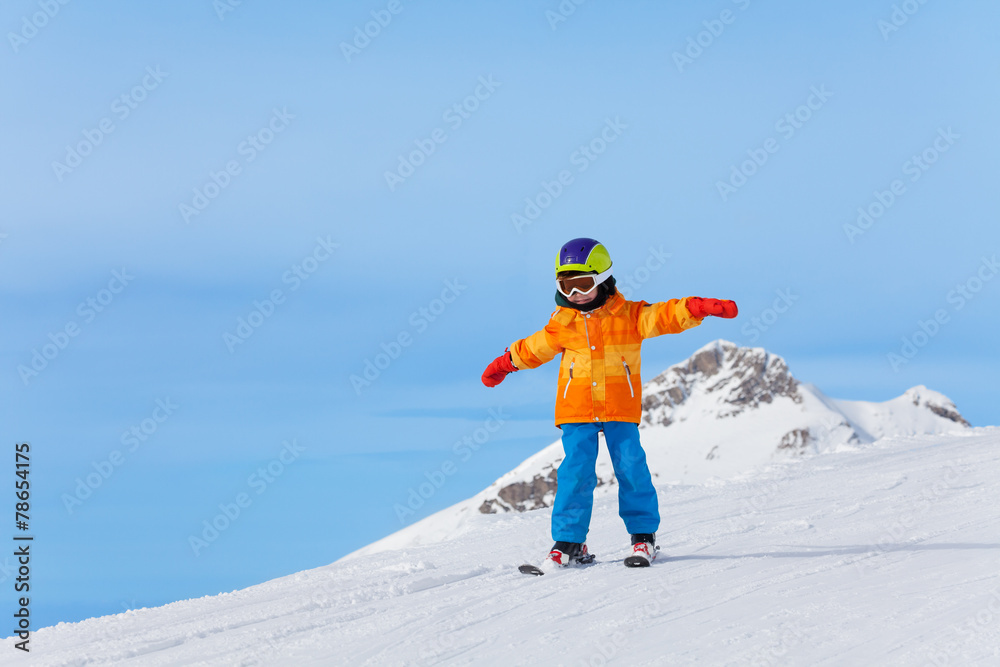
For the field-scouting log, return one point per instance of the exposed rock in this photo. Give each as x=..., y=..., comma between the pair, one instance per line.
x=948, y=413
x=536, y=494
x=529, y=496
x=795, y=441
x=742, y=377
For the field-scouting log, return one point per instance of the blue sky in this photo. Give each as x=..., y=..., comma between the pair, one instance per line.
x=292, y=139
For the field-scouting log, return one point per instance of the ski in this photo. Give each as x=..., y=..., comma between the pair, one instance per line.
x=641, y=561
x=527, y=568
x=637, y=561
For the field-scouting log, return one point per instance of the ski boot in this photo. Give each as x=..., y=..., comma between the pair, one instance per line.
x=643, y=550
x=567, y=553
x=562, y=554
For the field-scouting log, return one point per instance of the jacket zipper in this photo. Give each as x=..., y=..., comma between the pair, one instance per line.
x=570, y=378
x=628, y=377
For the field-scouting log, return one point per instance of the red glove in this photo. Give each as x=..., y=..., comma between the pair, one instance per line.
x=704, y=307
x=498, y=369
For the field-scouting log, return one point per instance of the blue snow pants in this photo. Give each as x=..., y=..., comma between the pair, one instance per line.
x=574, y=503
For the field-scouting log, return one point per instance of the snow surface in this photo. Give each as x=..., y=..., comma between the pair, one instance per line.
x=883, y=554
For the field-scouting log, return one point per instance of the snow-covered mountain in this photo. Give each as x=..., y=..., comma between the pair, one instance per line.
x=723, y=412
x=882, y=555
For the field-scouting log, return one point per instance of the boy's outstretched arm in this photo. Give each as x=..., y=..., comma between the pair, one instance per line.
x=677, y=315
x=530, y=352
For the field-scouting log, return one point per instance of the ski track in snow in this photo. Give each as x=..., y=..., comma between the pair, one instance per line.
x=886, y=554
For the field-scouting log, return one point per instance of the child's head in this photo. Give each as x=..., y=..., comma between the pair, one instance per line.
x=582, y=266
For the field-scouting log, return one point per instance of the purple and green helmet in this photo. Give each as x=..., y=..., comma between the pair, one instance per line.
x=586, y=255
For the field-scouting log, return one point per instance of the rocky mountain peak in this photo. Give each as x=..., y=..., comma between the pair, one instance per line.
x=739, y=378
x=936, y=402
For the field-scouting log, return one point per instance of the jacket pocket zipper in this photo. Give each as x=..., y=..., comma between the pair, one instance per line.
x=570, y=378
x=628, y=377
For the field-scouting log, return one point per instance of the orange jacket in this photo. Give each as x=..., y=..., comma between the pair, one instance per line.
x=599, y=375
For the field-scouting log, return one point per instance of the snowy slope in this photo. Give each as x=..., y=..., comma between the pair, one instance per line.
x=721, y=413
x=883, y=555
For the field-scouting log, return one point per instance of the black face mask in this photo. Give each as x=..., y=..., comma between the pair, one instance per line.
x=604, y=291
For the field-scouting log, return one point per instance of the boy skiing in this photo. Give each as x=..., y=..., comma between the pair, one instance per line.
x=599, y=334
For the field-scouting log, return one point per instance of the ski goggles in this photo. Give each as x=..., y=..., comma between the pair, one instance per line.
x=583, y=284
